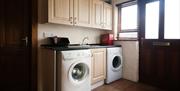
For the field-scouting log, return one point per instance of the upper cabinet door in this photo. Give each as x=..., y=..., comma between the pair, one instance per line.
x=107, y=17
x=97, y=14
x=60, y=11
x=82, y=13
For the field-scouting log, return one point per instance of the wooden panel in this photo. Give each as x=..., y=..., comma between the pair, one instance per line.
x=15, y=70
x=97, y=14
x=82, y=13
x=15, y=64
x=98, y=65
x=14, y=32
x=61, y=11
x=1, y=38
x=42, y=11
x=47, y=73
x=34, y=44
x=107, y=17
x=153, y=66
x=173, y=68
x=1, y=23
x=159, y=65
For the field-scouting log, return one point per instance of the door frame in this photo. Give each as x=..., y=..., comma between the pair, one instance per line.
x=34, y=44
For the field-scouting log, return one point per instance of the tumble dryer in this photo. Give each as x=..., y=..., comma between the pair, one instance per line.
x=114, y=64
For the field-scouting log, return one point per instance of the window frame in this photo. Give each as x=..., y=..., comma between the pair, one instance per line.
x=120, y=6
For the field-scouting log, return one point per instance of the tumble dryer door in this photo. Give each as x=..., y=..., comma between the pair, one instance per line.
x=116, y=63
x=78, y=73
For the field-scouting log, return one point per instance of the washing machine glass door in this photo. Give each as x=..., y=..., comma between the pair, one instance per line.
x=78, y=73
x=116, y=63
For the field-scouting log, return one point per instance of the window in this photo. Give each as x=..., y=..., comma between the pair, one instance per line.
x=152, y=20
x=128, y=20
x=169, y=28
x=172, y=19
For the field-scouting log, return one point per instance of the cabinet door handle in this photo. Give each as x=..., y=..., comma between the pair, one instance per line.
x=70, y=19
x=75, y=20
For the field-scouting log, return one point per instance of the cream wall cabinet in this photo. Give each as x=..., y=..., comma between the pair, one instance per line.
x=85, y=13
x=60, y=11
x=70, y=12
x=82, y=12
x=101, y=15
x=107, y=17
x=98, y=65
x=97, y=14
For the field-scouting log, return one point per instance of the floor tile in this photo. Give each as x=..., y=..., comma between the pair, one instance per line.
x=121, y=84
x=126, y=85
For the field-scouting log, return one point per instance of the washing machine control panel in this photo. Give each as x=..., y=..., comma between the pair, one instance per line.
x=73, y=54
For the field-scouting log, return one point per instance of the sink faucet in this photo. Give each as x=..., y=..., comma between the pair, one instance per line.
x=85, y=38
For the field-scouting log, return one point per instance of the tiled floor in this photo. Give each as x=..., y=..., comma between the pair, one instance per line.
x=125, y=85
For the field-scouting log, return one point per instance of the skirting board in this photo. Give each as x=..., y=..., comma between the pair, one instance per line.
x=100, y=83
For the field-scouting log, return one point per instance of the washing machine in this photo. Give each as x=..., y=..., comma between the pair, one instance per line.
x=74, y=70
x=114, y=64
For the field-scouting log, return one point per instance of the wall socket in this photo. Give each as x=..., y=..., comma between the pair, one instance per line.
x=45, y=34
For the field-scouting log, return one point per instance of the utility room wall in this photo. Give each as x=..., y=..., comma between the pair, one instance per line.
x=75, y=34
x=130, y=59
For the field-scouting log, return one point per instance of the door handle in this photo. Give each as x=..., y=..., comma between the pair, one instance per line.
x=70, y=18
x=25, y=40
x=142, y=41
x=161, y=43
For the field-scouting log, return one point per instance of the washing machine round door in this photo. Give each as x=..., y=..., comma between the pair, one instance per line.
x=116, y=63
x=78, y=73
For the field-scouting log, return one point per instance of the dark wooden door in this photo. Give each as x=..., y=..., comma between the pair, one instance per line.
x=15, y=49
x=159, y=56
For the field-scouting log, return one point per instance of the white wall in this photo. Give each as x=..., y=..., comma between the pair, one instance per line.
x=130, y=59
x=75, y=34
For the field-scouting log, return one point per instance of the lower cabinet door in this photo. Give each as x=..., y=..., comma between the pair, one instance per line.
x=98, y=65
